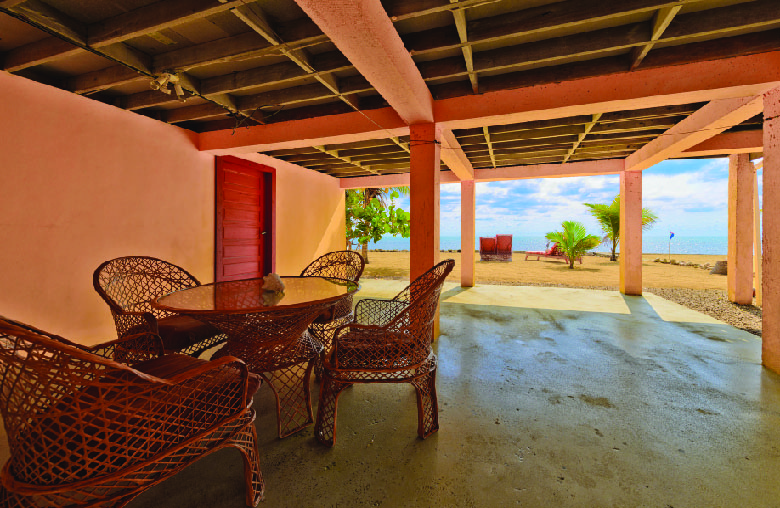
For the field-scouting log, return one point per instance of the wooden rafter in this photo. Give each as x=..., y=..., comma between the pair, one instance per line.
x=335, y=154
x=468, y=55
x=535, y=20
x=255, y=18
x=109, y=45
x=486, y=133
x=581, y=137
x=663, y=17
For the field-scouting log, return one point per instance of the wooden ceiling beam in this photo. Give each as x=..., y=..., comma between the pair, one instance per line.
x=489, y=141
x=618, y=90
x=468, y=54
x=39, y=52
x=142, y=100
x=542, y=52
x=588, y=127
x=637, y=125
x=723, y=20
x=281, y=73
x=42, y=15
x=104, y=78
x=540, y=19
x=199, y=112
x=239, y=47
x=640, y=36
x=400, y=10
x=154, y=18
x=650, y=113
x=348, y=160
x=663, y=17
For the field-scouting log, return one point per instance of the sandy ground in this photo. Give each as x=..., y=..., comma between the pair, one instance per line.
x=594, y=271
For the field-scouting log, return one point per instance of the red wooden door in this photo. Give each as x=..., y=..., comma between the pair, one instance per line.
x=244, y=219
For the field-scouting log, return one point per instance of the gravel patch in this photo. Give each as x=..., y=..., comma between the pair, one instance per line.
x=715, y=303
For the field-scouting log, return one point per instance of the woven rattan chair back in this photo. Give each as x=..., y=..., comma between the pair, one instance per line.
x=83, y=429
x=343, y=264
x=131, y=283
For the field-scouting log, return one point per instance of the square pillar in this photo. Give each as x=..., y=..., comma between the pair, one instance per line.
x=468, y=213
x=770, y=342
x=424, y=168
x=631, y=233
x=740, y=230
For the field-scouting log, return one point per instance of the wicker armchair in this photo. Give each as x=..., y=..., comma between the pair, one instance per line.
x=129, y=284
x=84, y=430
x=345, y=264
x=389, y=342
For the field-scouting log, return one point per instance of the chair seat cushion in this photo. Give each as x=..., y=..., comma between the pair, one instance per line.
x=180, y=332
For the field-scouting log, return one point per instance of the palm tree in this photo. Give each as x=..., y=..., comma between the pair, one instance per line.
x=609, y=219
x=574, y=241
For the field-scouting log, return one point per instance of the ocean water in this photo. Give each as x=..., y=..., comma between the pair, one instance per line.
x=714, y=245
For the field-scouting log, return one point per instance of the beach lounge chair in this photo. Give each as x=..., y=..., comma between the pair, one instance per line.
x=552, y=252
x=498, y=248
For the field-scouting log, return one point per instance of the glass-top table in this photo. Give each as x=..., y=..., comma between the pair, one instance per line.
x=268, y=331
x=248, y=296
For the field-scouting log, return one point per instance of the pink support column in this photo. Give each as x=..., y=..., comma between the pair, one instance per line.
x=468, y=215
x=740, y=230
x=631, y=232
x=770, y=350
x=424, y=196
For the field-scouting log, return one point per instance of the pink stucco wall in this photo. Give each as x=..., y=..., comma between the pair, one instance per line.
x=310, y=217
x=80, y=183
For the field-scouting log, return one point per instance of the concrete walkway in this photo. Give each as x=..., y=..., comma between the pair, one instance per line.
x=548, y=397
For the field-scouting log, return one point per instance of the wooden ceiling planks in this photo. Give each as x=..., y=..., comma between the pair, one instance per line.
x=259, y=66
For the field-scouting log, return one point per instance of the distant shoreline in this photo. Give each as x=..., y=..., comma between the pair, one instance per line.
x=599, y=254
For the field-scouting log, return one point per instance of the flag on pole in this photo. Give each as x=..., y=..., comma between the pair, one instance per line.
x=671, y=235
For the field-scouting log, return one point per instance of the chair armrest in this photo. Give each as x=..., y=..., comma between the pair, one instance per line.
x=130, y=349
x=376, y=312
x=196, y=387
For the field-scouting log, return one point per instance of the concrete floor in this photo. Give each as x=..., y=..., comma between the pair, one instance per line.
x=548, y=397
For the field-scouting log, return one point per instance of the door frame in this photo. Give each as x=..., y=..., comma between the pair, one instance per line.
x=268, y=174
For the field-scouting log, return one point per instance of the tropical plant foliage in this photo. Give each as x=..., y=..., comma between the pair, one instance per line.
x=371, y=213
x=608, y=217
x=574, y=240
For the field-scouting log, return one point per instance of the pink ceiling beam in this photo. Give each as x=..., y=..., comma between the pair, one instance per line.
x=452, y=155
x=710, y=120
x=397, y=180
x=584, y=168
x=681, y=84
x=347, y=128
x=728, y=143
x=364, y=33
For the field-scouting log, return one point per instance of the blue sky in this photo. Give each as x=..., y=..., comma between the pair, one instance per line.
x=689, y=196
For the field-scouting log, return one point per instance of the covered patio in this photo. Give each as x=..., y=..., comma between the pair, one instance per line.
x=548, y=397
x=143, y=127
